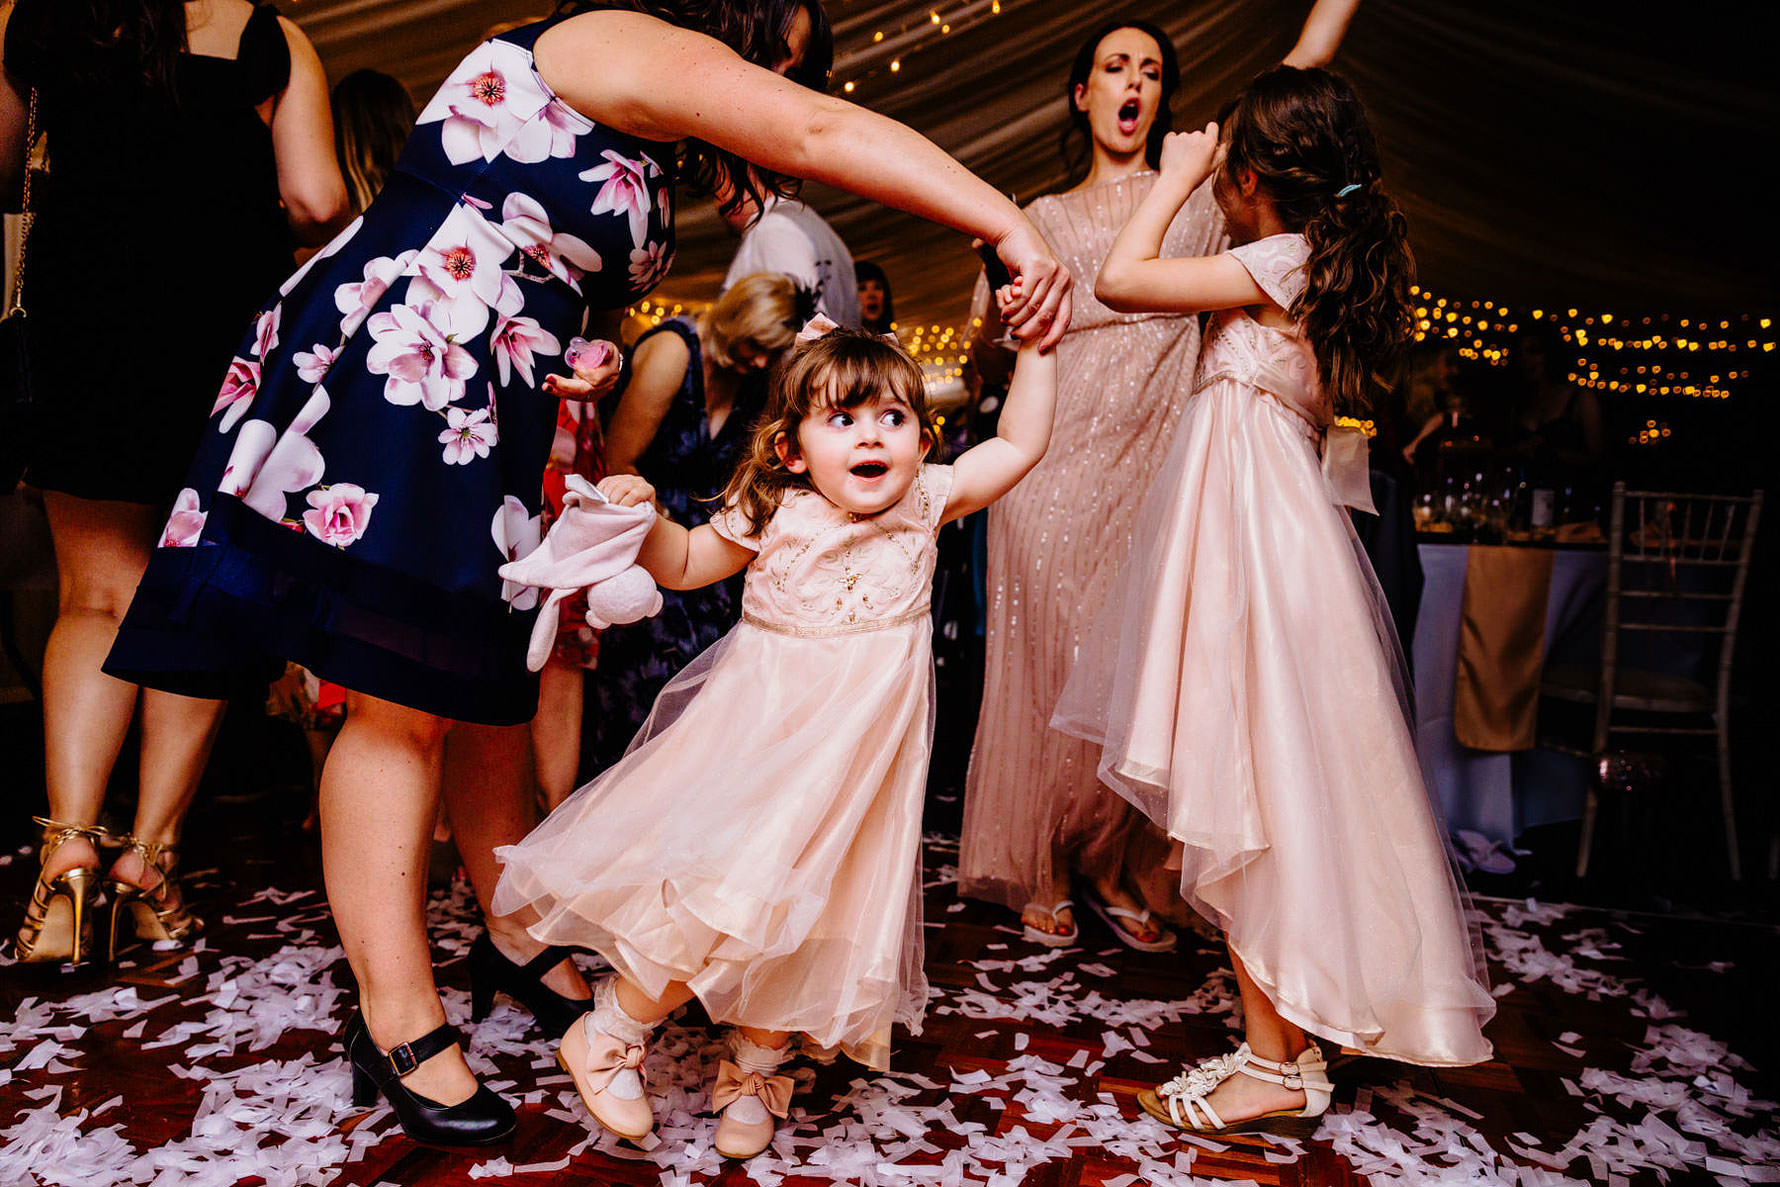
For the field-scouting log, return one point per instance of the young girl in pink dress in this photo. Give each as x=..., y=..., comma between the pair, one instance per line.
x=1250, y=693
x=758, y=846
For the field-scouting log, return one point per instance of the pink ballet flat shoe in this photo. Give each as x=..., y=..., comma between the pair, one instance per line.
x=749, y=1098
x=608, y=1075
x=749, y=1107
x=1181, y=1102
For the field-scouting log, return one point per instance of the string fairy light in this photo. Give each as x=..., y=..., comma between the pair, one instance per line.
x=890, y=50
x=1624, y=355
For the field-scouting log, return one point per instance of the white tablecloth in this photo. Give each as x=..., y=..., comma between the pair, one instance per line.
x=1498, y=794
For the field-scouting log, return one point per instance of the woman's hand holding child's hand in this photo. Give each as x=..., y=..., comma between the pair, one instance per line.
x=1189, y=157
x=596, y=366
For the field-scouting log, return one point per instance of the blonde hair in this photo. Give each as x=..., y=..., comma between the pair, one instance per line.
x=759, y=310
x=842, y=369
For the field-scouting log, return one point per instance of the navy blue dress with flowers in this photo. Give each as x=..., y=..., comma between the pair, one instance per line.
x=377, y=450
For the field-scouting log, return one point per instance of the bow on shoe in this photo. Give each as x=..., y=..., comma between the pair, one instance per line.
x=733, y=1083
x=607, y=1059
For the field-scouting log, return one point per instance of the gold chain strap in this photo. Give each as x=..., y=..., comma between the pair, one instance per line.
x=26, y=216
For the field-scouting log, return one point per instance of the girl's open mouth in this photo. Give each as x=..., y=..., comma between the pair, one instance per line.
x=1129, y=111
x=869, y=470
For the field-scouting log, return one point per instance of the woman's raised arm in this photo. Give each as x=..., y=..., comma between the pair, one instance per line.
x=651, y=79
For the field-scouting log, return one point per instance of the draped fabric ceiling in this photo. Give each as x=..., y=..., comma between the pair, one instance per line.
x=1589, y=153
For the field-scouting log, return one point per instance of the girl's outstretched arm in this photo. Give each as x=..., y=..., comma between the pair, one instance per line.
x=1136, y=279
x=676, y=557
x=1323, y=30
x=986, y=472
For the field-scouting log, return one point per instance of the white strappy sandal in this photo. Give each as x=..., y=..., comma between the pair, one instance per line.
x=1181, y=1102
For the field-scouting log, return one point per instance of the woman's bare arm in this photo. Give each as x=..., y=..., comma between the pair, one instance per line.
x=1323, y=30
x=625, y=70
x=309, y=178
x=658, y=370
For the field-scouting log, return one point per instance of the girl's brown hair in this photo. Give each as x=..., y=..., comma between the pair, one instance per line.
x=1305, y=136
x=373, y=115
x=842, y=369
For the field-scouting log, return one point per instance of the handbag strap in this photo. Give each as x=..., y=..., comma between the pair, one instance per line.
x=27, y=216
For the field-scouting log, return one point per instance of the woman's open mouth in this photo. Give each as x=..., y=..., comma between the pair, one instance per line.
x=869, y=470
x=1129, y=113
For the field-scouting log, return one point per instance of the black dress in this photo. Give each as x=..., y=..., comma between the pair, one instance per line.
x=158, y=235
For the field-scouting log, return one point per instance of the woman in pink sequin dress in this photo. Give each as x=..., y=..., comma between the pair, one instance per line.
x=1035, y=813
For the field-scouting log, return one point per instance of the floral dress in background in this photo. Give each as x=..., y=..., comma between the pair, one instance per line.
x=377, y=450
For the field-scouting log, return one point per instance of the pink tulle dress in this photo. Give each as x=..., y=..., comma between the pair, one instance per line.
x=760, y=840
x=1250, y=699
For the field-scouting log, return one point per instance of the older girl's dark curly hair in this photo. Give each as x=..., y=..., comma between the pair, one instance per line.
x=758, y=31
x=1305, y=136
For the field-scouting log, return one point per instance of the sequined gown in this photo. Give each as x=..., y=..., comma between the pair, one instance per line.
x=1251, y=700
x=1056, y=542
x=761, y=840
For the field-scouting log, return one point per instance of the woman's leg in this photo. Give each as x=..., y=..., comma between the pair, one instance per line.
x=379, y=797
x=489, y=799
x=102, y=547
x=556, y=731
x=176, y=736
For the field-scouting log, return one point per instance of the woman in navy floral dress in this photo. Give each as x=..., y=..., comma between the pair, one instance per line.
x=378, y=447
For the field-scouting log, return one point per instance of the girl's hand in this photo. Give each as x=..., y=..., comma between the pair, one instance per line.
x=596, y=366
x=627, y=490
x=1040, y=308
x=1189, y=157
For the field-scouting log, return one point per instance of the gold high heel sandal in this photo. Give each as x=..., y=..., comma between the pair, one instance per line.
x=151, y=914
x=58, y=925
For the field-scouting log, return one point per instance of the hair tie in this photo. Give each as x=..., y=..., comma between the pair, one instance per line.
x=816, y=327
x=1347, y=189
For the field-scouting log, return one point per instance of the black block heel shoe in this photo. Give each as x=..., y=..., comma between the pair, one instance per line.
x=483, y=1120
x=492, y=973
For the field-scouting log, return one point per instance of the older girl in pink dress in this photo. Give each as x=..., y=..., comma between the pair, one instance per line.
x=1250, y=694
x=758, y=847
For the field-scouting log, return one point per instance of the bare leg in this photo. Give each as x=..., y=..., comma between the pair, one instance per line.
x=1269, y=1036
x=650, y=1010
x=176, y=736
x=773, y=1039
x=556, y=731
x=102, y=547
x=488, y=798
x=379, y=797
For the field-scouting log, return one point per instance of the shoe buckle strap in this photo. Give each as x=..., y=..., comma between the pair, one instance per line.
x=402, y=1059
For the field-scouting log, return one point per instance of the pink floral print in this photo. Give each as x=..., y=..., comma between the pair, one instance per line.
x=460, y=273
x=265, y=338
x=339, y=514
x=357, y=300
x=266, y=465
x=487, y=105
x=424, y=366
x=468, y=435
x=186, y=523
x=626, y=190
x=526, y=223
x=516, y=534
x=648, y=264
x=236, y=395
x=515, y=341
x=313, y=364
